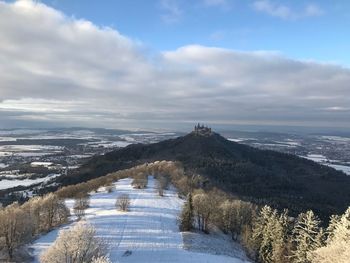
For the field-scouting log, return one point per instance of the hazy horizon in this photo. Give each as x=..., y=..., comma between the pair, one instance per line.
x=298, y=130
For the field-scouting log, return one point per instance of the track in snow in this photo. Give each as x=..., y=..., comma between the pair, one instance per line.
x=149, y=230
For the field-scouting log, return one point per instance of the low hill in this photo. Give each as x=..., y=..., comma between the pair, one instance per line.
x=261, y=176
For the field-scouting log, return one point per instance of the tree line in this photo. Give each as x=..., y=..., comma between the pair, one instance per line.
x=268, y=235
x=20, y=224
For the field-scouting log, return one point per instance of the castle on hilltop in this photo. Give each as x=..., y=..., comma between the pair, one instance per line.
x=202, y=130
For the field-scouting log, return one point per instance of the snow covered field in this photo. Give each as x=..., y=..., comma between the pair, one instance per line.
x=5, y=183
x=149, y=230
x=319, y=158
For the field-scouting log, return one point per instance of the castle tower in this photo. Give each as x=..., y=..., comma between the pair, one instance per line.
x=201, y=129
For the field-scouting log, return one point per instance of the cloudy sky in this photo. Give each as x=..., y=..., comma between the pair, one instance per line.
x=170, y=63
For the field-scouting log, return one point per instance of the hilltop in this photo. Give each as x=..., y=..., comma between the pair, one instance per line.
x=262, y=176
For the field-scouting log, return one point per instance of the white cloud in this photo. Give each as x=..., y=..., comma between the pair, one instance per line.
x=286, y=12
x=313, y=10
x=55, y=69
x=172, y=12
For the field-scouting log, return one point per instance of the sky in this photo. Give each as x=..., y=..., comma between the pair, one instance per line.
x=172, y=63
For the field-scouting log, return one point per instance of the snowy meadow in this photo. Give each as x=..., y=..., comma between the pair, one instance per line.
x=148, y=232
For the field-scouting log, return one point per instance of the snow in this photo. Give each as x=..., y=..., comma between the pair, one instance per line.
x=7, y=139
x=127, y=138
x=149, y=230
x=2, y=165
x=14, y=174
x=343, y=168
x=29, y=150
x=289, y=142
x=316, y=157
x=5, y=184
x=337, y=138
x=2, y=154
x=45, y=164
x=235, y=140
x=319, y=158
x=215, y=243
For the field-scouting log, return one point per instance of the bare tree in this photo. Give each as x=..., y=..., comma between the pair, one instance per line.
x=34, y=208
x=234, y=214
x=15, y=229
x=162, y=184
x=78, y=212
x=203, y=210
x=76, y=245
x=54, y=211
x=123, y=202
x=81, y=203
x=140, y=180
x=139, y=183
x=110, y=188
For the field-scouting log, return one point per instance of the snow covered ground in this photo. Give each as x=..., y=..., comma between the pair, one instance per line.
x=343, y=168
x=215, y=243
x=5, y=183
x=319, y=158
x=149, y=230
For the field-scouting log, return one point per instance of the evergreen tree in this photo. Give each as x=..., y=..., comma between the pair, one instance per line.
x=333, y=224
x=270, y=232
x=307, y=237
x=186, y=217
x=262, y=233
x=339, y=227
x=337, y=247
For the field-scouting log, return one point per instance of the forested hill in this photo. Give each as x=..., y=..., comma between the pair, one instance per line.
x=281, y=180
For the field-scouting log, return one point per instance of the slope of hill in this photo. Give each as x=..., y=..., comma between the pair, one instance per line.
x=281, y=180
x=146, y=233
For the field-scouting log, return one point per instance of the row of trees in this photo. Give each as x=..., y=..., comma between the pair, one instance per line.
x=267, y=235
x=20, y=224
x=138, y=173
x=279, y=238
x=80, y=244
x=81, y=203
